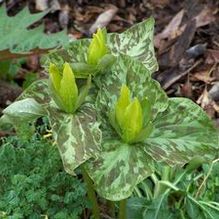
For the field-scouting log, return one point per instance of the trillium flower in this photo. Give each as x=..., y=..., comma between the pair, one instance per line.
x=64, y=88
x=131, y=118
x=98, y=47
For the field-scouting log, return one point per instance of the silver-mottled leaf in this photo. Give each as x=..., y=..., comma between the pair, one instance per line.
x=118, y=169
x=134, y=74
x=75, y=52
x=182, y=132
x=136, y=42
x=77, y=135
x=39, y=91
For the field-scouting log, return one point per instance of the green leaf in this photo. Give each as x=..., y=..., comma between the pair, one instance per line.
x=24, y=110
x=30, y=105
x=16, y=38
x=152, y=207
x=182, y=132
x=29, y=79
x=201, y=209
x=83, y=93
x=137, y=78
x=193, y=210
x=77, y=135
x=75, y=52
x=135, y=207
x=21, y=114
x=118, y=169
x=136, y=42
x=195, y=162
x=106, y=62
x=147, y=111
x=83, y=70
x=39, y=91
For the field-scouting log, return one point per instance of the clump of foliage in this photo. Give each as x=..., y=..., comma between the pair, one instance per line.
x=17, y=40
x=33, y=183
x=121, y=122
x=190, y=192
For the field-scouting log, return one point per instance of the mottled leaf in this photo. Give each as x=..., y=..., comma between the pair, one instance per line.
x=75, y=52
x=77, y=135
x=182, y=132
x=39, y=91
x=118, y=169
x=137, y=78
x=136, y=42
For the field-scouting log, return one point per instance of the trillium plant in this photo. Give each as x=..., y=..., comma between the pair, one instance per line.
x=109, y=118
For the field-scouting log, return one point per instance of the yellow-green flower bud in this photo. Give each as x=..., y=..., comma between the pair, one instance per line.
x=129, y=116
x=98, y=47
x=122, y=103
x=65, y=91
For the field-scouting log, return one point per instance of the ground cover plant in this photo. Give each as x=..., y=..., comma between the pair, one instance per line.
x=110, y=119
x=34, y=184
x=191, y=192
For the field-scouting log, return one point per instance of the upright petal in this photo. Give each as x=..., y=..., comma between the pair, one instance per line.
x=133, y=121
x=123, y=101
x=55, y=76
x=68, y=89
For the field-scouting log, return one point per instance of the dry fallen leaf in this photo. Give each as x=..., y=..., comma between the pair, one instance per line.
x=55, y=6
x=203, y=100
x=41, y=5
x=160, y=3
x=103, y=19
x=171, y=30
x=206, y=103
x=212, y=56
x=205, y=17
x=204, y=76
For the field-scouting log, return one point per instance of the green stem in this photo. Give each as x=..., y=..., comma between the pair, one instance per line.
x=166, y=173
x=91, y=194
x=122, y=209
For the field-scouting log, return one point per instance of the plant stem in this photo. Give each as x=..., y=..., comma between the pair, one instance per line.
x=91, y=194
x=122, y=209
